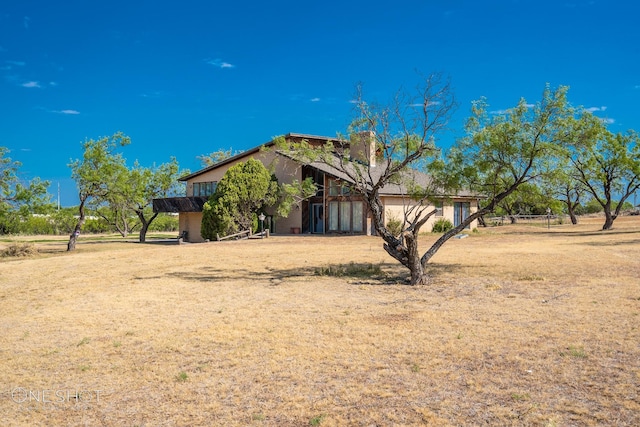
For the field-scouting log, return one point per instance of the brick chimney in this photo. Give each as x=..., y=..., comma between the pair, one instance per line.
x=363, y=148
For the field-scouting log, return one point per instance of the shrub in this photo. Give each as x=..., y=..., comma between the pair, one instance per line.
x=96, y=226
x=394, y=225
x=442, y=226
x=164, y=223
x=36, y=225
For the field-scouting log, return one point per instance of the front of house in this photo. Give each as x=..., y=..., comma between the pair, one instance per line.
x=332, y=210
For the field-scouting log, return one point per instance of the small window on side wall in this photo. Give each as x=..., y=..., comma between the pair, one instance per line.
x=438, y=206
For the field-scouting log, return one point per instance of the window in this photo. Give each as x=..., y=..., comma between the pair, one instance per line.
x=204, y=189
x=317, y=177
x=346, y=217
x=358, y=226
x=333, y=216
x=461, y=211
x=438, y=206
x=338, y=188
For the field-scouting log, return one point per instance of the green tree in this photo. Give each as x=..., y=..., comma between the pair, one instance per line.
x=502, y=152
x=605, y=164
x=146, y=184
x=17, y=198
x=216, y=157
x=528, y=199
x=97, y=175
x=243, y=190
x=558, y=183
x=113, y=206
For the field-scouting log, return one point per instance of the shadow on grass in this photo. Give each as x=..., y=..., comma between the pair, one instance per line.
x=614, y=243
x=572, y=233
x=382, y=274
x=211, y=274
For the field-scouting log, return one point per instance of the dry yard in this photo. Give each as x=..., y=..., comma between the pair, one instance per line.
x=521, y=326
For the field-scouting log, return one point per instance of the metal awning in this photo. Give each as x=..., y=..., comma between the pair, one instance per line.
x=179, y=204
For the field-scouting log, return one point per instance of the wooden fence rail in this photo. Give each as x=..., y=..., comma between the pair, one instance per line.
x=241, y=235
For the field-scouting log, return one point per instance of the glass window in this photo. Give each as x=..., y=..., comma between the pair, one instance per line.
x=345, y=216
x=461, y=211
x=334, y=188
x=204, y=188
x=357, y=217
x=333, y=216
x=438, y=206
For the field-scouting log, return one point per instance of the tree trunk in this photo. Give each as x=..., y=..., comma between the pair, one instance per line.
x=73, y=238
x=145, y=224
x=608, y=219
x=572, y=214
x=414, y=263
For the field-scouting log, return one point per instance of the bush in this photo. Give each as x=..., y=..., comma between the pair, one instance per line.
x=96, y=226
x=36, y=225
x=394, y=225
x=164, y=222
x=442, y=226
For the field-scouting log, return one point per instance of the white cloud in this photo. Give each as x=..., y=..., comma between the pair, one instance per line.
x=420, y=104
x=508, y=110
x=31, y=84
x=220, y=63
x=594, y=109
x=608, y=121
x=67, y=112
x=156, y=94
x=53, y=84
x=26, y=22
x=16, y=63
x=315, y=100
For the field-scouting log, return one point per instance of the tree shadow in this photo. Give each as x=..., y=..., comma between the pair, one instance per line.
x=389, y=274
x=211, y=274
x=597, y=233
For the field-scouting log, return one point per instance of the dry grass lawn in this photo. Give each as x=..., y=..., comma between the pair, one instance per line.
x=521, y=326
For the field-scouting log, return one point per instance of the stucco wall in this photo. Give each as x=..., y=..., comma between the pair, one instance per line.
x=395, y=207
x=191, y=223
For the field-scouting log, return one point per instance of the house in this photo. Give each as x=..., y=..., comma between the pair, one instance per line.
x=332, y=210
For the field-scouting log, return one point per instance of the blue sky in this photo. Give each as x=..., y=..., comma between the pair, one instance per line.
x=190, y=77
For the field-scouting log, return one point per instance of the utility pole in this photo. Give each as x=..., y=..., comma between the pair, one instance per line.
x=58, y=195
